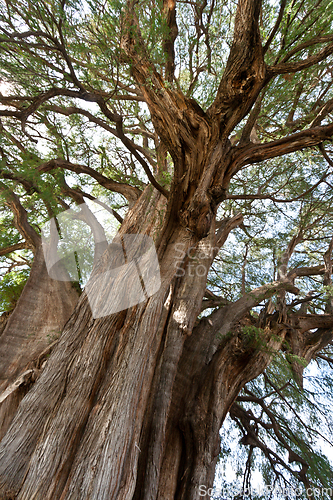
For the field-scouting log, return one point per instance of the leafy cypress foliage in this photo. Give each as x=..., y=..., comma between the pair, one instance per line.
x=77, y=123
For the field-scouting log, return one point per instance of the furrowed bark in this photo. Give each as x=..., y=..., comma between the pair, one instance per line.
x=39, y=316
x=188, y=289
x=245, y=71
x=220, y=382
x=206, y=383
x=88, y=370
x=106, y=418
x=169, y=11
x=114, y=371
x=94, y=361
x=182, y=365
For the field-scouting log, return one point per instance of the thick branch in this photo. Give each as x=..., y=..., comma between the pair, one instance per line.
x=169, y=11
x=285, y=257
x=251, y=121
x=20, y=217
x=306, y=271
x=176, y=119
x=12, y=248
x=307, y=322
x=284, y=67
x=245, y=70
x=259, y=152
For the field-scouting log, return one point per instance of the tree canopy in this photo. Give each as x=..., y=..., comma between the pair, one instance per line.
x=223, y=109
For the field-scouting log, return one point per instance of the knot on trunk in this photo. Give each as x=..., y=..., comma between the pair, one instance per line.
x=198, y=219
x=218, y=194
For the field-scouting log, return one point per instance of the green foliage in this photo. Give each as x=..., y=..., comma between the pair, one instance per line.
x=303, y=421
x=75, y=48
x=253, y=337
x=293, y=358
x=11, y=286
x=166, y=179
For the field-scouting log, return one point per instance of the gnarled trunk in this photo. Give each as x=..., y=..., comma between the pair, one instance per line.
x=129, y=405
x=107, y=419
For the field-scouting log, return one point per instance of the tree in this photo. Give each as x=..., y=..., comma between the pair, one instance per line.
x=198, y=119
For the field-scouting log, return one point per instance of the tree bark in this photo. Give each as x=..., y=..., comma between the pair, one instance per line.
x=41, y=312
x=106, y=418
x=129, y=405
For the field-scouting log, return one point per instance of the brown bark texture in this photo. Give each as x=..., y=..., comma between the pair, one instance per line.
x=40, y=314
x=128, y=376
x=129, y=405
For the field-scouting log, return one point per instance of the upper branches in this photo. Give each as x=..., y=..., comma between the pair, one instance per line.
x=23, y=114
x=31, y=237
x=245, y=70
x=255, y=153
x=169, y=12
x=292, y=67
x=50, y=50
x=88, y=78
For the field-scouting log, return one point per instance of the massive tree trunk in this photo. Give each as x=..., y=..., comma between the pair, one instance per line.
x=106, y=419
x=129, y=405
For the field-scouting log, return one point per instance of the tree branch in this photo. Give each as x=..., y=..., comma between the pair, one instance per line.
x=251, y=121
x=78, y=195
x=20, y=217
x=259, y=152
x=227, y=225
x=284, y=67
x=325, y=358
x=13, y=248
x=70, y=110
x=245, y=71
x=92, y=97
x=169, y=11
x=128, y=143
x=272, y=197
x=222, y=320
x=131, y=193
x=276, y=26
x=306, y=322
x=306, y=271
